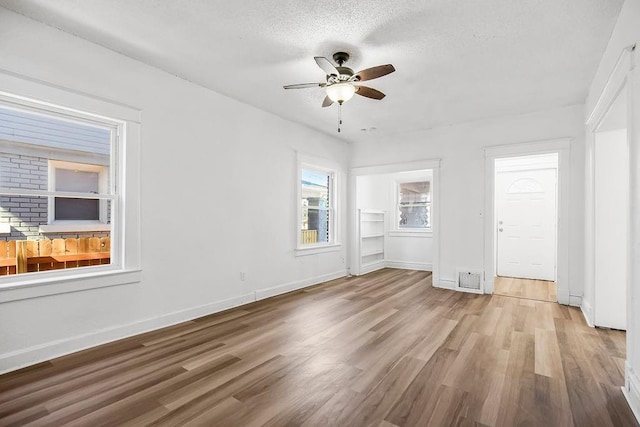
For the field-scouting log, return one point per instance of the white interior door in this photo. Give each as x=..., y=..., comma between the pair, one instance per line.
x=526, y=224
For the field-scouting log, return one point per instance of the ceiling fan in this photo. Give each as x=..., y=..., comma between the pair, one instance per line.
x=342, y=83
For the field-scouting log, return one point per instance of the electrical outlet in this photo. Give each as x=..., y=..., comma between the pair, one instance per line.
x=243, y=276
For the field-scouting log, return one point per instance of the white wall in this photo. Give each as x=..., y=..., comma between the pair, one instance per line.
x=611, y=230
x=379, y=192
x=625, y=33
x=462, y=191
x=203, y=156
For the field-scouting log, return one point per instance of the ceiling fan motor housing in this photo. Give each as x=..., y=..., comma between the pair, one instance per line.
x=340, y=57
x=345, y=71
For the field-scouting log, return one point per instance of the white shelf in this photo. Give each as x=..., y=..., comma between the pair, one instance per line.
x=380, y=252
x=371, y=240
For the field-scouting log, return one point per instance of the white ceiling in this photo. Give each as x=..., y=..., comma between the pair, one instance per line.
x=456, y=60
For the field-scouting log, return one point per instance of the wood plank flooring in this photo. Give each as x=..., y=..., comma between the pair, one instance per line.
x=541, y=290
x=385, y=349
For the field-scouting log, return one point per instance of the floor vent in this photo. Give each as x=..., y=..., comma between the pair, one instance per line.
x=470, y=281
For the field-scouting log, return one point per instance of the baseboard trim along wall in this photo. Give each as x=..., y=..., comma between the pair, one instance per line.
x=299, y=284
x=575, y=301
x=587, y=312
x=445, y=284
x=372, y=267
x=404, y=265
x=51, y=350
x=631, y=390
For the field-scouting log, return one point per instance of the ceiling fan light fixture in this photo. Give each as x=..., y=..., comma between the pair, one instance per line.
x=341, y=92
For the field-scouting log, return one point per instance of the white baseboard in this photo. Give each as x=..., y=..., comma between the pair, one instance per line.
x=445, y=284
x=587, y=312
x=489, y=286
x=631, y=390
x=51, y=350
x=43, y=352
x=575, y=301
x=299, y=284
x=563, y=296
x=372, y=267
x=404, y=265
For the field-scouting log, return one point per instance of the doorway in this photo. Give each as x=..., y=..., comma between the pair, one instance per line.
x=611, y=207
x=379, y=237
x=526, y=218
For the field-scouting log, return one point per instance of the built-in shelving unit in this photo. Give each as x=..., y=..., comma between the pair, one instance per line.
x=371, y=239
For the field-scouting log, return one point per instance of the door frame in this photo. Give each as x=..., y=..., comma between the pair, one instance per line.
x=619, y=80
x=624, y=72
x=562, y=147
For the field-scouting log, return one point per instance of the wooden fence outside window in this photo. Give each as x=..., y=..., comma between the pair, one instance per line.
x=26, y=256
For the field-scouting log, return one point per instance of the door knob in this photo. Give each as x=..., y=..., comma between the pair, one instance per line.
x=500, y=229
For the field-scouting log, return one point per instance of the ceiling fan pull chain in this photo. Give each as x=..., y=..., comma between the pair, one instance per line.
x=339, y=116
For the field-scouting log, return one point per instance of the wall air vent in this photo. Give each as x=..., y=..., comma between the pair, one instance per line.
x=470, y=281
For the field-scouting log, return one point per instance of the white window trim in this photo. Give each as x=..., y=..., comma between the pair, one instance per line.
x=72, y=225
x=320, y=165
x=396, y=231
x=125, y=264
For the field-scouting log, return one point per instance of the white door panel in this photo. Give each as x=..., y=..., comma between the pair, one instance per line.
x=526, y=228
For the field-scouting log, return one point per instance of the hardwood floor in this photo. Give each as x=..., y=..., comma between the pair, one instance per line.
x=383, y=349
x=541, y=290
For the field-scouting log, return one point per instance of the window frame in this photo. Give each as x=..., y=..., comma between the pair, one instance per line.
x=322, y=166
x=396, y=229
x=125, y=267
x=102, y=185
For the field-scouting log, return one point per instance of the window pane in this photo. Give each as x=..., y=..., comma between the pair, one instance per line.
x=414, y=216
x=68, y=209
x=315, y=206
x=77, y=181
x=414, y=192
x=414, y=200
x=47, y=131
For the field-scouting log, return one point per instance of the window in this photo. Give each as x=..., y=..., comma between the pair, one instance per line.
x=316, y=206
x=414, y=206
x=55, y=191
x=71, y=177
x=68, y=128
x=317, y=213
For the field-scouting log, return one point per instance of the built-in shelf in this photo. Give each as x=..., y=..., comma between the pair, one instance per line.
x=371, y=240
x=371, y=253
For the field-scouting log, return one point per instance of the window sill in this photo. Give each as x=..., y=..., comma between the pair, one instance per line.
x=312, y=250
x=14, y=288
x=74, y=228
x=412, y=233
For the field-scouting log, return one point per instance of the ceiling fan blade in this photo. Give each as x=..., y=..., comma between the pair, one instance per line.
x=304, y=85
x=374, y=72
x=369, y=92
x=326, y=66
x=327, y=101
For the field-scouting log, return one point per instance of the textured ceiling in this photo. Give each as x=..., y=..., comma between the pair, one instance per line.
x=456, y=60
